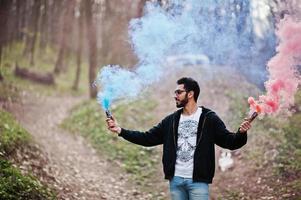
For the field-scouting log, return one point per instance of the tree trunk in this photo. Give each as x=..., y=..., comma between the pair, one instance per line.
x=27, y=16
x=60, y=60
x=106, y=32
x=79, y=47
x=0, y=56
x=43, y=78
x=60, y=64
x=53, y=22
x=31, y=34
x=18, y=21
x=10, y=27
x=140, y=7
x=43, y=26
x=91, y=31
x=4, y=12
x=23, y=16
x=1, y=77
x=35, y=25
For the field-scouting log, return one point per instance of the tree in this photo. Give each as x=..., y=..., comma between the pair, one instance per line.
x=36, y=17
x=92, y=46
x=4, y=13
x=33, y=31
x=106, y=31
x=18, y=30
x=140, y=7
x=44, y=24
x=60, y=62
x=80, y=26
x=54, y=19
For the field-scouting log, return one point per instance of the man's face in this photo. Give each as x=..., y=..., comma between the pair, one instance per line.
x=181, y=96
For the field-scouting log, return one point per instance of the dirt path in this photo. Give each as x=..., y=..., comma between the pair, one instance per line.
x=79, y=172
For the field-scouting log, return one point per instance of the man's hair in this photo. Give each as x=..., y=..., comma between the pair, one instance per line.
x=190, y=85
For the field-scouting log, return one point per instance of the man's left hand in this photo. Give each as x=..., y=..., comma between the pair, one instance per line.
x=245, y=126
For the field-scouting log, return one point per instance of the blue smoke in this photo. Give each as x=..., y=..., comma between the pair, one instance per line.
x=222, y=30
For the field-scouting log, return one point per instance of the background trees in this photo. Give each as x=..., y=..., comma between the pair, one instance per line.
x=92, y=31
x=88, y=31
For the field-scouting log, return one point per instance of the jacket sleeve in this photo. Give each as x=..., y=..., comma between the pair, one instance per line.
x=152, y=137
x=225, y=138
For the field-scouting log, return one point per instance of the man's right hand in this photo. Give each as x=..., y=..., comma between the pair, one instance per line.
x=113, y=125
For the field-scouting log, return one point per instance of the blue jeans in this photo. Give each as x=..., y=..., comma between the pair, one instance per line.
x=185, y=189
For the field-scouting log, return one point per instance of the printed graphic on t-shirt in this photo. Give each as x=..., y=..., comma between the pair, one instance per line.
x=186, y=140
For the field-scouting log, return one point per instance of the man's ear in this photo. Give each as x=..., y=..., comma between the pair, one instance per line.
x=190, y=94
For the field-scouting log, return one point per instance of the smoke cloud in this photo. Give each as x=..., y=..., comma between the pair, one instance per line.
x=284, y=77
x=220, y=31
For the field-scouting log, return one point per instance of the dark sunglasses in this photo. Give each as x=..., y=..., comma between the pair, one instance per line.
x=178, y=92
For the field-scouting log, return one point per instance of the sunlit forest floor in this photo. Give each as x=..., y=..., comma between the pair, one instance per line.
x=79, y=172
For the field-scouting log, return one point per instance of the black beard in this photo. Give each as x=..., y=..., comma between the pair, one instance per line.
x=182, y=103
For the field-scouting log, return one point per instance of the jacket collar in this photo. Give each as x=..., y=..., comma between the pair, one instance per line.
x=177, y=115
x=205, y=111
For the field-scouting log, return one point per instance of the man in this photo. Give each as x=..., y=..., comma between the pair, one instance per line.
x=188, y=137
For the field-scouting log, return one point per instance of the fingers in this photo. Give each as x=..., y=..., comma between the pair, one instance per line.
x=110, y=119
x=115, y=129
x=111, y=123
x=245, y=126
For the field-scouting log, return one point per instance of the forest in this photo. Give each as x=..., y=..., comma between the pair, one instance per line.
x=64, y=62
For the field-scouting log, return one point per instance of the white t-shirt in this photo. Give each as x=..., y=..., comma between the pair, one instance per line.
x=187, y=136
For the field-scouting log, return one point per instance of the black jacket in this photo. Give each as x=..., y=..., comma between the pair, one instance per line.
x=211, y=130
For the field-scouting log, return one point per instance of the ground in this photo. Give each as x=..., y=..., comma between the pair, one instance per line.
x=78, y=171
x=69, y=163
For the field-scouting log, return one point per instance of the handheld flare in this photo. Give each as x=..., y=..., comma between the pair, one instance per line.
x=253, y=116
x=109, y=114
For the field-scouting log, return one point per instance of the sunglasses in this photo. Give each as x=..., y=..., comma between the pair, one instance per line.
x=178, y=92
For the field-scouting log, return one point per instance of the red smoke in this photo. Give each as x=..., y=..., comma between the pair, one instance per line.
x=284, y=78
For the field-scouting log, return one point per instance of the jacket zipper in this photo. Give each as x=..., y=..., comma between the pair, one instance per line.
x=173, y=130
x=201, y=131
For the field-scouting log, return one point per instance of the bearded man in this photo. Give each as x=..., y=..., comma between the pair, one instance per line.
x=188, y=137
